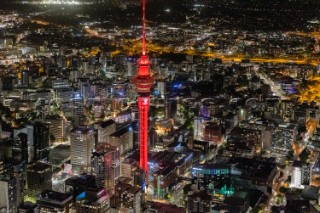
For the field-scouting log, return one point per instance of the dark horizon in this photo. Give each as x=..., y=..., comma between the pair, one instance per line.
x=246, y=15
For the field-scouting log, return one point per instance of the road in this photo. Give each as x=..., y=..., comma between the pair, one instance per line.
x=134, y=46
x=131, y=46
x=276, y=90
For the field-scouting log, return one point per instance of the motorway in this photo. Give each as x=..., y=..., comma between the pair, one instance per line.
x=134, y=46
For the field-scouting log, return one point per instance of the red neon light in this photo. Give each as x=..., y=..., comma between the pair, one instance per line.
x=144, y=44
x=143, y=104
x=143, y=84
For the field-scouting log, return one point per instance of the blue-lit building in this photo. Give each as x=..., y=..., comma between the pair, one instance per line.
x=78, y=184
x=95, y=200
x=210, y=174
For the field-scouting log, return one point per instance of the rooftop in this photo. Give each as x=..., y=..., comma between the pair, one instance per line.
x=166, y=208
x=122, y=131
x=82, y=130
x=55, y=196
x=104, y=124
x=39, y=167
x=252, y=168
x=203, y=195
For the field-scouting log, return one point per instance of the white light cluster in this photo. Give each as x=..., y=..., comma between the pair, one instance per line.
x=56, y=2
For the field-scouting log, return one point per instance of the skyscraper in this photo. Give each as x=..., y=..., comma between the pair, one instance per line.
x=10, y=196
x=39, y=178
x=104, y=130
x=106, y=166
x=21, y=147
x=93, y=200
x=126, y=196
x=82, y=145
x=143, y=83
x=57, y=128
x=41, y=140
x=300, y=174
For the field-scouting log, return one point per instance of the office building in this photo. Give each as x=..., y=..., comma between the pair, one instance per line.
x=106, y=166
x=123, y=139
x=41, y=141
x=126, y=196
x=198, y=202
x=82, y=145
x=300, y=174
x=54, y=202
x=93, y=200
x=20, y=148
x=78, y=184
x=6, y=146
x=104, y=130
x=39, y=178
x=11, y=194
x=57, y=128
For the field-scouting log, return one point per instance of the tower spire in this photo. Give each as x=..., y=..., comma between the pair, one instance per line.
x=144, y=43
x=144, y=62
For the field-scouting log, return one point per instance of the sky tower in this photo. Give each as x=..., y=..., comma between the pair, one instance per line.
x=143, y=82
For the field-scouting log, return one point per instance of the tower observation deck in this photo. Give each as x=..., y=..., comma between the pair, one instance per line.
x=143, y=82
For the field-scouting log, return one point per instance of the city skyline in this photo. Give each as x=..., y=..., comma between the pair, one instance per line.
x=151, y=106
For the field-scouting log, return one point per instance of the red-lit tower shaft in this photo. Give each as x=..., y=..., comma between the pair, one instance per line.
x=143, y=84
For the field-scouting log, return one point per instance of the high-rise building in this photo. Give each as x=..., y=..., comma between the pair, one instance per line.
x=93, y=200
x=106, y=166
x=25, y=77
x=300, y=174
x=57, y=128
x=41, y=140
x=85, y=67
x=119, y=88
x=78, y=184
x=104, y=130
x=39, y=178
x=28, y=130
x=123, y=139
x=84, y=86
x=82, y=145
x=20, y=147
x=98, y=90
x=10, y=196
x=161, y=87
x=162, y=179
x=198, y=202
x=128, y=167
x=54, y=202
x=126, y=196
x=77, y=104
x=131, y=68
x=6, y=146
x=143, y=83
x=198, y=128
